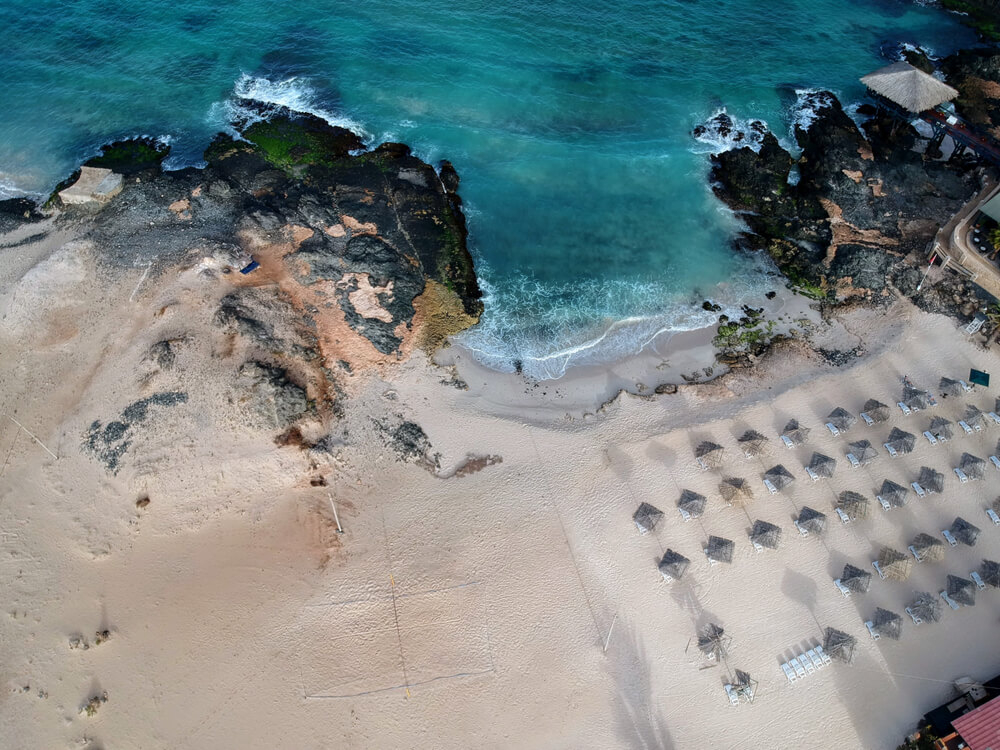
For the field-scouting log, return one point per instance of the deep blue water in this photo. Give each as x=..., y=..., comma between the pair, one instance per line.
x=591, y=217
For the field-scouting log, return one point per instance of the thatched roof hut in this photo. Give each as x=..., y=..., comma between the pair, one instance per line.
x=887, y=624
x=996, y=503
x=909, y=87
x=692, y=502
x=941, y=428
x=839, y=645
x=989, y=571
x=709, y=454
x=863, y=451
x=892, y=493
x=926, y=606
x=713, y=641
x=931, y=480
x=822, y=465
x=974, y=417
x=964, y=532
x=901, y=441
x=853, y=504
x=915, y=398
x=972, y=466
x=841, y=419
x=856, y=579
x=950, y=387
x=779, y=476
x=928, y=548
x=752, y=443
x=720, y=549
x=812, y=520
x=795, y=432
x=962, y=590
x=736, y=491
x=646, y=517
x=876, y=410
x=673, y=565
x=765, y=534
x=894, y=564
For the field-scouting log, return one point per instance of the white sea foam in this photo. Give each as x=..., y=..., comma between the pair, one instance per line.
x=11, y=187
x=724, y=132
x=808, y=103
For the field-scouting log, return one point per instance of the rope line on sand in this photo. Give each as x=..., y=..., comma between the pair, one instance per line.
x=395, y=612
x=32, y=436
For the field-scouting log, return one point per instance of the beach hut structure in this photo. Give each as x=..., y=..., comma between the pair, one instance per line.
x=736, y=491
x=753, y=443
x=927, y=548
x=863, y=451
x=822, y=465
x=887, y=623
x=941, y=428
x=962, y=590
x=901, y=86
x=839, y=645
x=646, y=517
x=795, y=432
x=892, y=493
x=972, y=466
x=811, y=520
x=744, y=686
x=856, y=579
x=926, y=607
x=974, y=417
x=779, y=476
x=915, y=398
x=989, y=571
x=692, y=503
x=841, y=419
x=765, y=534
x=673, y=565
x=719, y=549
x=964, y=532
x=901, y=441
x=713, y=642
x=930, y=480
x=709, y=454
x=855, y=505
x=950, y=387
x=876, y=410
x=894, y=564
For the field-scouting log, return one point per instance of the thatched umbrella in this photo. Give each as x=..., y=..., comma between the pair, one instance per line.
x=950, y=387
x=908, y=87
x=974, y=417
x=887, y=623
x=964, y=531
x=915, y=398
x=863, y=451
x=745, y=685
x=673, y=565
x=719, y=549
x=990, y=573
x=892, y=493
x=822, y=465
x=646, y=517
x=928, y=548
x=839, y=645
x=901, y=440
x=894, y=564
x=853, y=504
x=779, y=476
x=926, y=606
x=876, y=410
x=972, y=466
x=795, y=432
x=753, y=443
x=736, y=491
x=962, y=590
x=709, y=454
x=765, y=534
x=841, y=419
x=996, y=503
x=692, y=502
x=812, y=520
x=941, y=428
x=856, y=579
x=931, y=480
x=713, y=641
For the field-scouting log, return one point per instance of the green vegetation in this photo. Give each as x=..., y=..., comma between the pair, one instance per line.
x=983, y=14
x=301, y=141
x=744, y=333
x=131, y=156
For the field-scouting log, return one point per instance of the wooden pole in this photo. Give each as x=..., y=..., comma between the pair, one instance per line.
x=610, y=631
x=335, y=516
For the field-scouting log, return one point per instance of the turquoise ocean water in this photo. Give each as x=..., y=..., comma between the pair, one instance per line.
x=592, y=220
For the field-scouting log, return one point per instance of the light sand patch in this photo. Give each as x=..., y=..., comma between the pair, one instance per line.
x=337, y=230
x=358, y=227
x=365, y=299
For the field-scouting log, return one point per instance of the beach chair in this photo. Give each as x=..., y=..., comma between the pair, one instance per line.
x=799, y=669
x=787, y=441
x=995, y=460
x=702, y=464
x=868, y=420
x=825, y=657
x=965, y=386
x=757, y=546
x=734, y=697
x=812, y=474
x=978, y=580
x=994, y=416
x=965, y=428
x=853, y=461
x=802, y=529
x=684, y=514
x=789, y=672
x=770, y=487
x=844, y=518
x=711, y=562
x=890, y=450
x=961, y=475
x=947, y=535
x=843, y=589
x=930, y=437
x=871, y=630
x=918, y=489
x=878, y=569
x=916, y=619
x=913, y=551
x=832, y=428
x=904, y=408
x=993, y=516
x=817, y=662
x=806, y=662
x=883, y=502
x=951, y=602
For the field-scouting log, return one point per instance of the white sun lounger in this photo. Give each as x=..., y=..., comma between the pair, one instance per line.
x=994, y=416
x=802, y=529
x=930, y=437
x=904, y=408
x=812, y=474
x=843, y=589
x=868, y=420
x=913, y=551
x=844, y=517
x=871, y=630
x=965, y=428
x=823, y=655
x=890, y=450
x=993, y=516
x=915, y=618
x=947, y=535
x=918, y=489
x=832, y=428
x=978, y=580
x=853, y=460
x=710, y=560
x=883, y=502
x=961, y=475
x=799, y=669
x=757, y=546
x=995, y=460
x=817, y=662
x=965, y=386
x=787, y=441
x=684, y=514
x=770, y=487
x=878, y=569
x=789, y=672
x=951, y=602
x=734, y=698
x=978, y=427
x=702, y=464
x=806, y=662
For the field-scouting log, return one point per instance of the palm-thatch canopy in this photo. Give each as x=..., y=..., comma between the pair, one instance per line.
x=887, y=623
x=931, y=480
x=673, y=564
x=736, y=491
x=909, y=87
x=752, y=443
x=863, y=451
x=709, y=453
x=812, y=520
x=853, y=504
x=962, y=590
x=964, y=531
x=841, y=418
x=839, y=645
x=779, y=476
x=974, y=417
x=795, y=432
x=996, y=503
x=876, y=410
x=950, y=387
x=765, y=534
x=745, y=685
x=929, y=548
x=989, y=571
x=901, y=440
x=692, y=502
x=915, y=398
x=713, y=641
x=892, y=493
x=926, y=606
x=856, y=579
x=646, y=517
x=822, y=465
x=894, y=564
x=720, y=549
x=972, y=466
x=941, y=428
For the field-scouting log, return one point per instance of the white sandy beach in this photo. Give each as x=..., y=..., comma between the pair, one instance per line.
x=453, y=611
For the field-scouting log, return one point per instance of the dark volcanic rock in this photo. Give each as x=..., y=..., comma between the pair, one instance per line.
x=17, y=211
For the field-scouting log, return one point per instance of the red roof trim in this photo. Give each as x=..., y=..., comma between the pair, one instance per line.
x=980, y=728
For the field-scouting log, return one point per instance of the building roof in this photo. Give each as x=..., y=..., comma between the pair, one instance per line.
x=980, y=728
x=910, y=88
x=992, y=207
